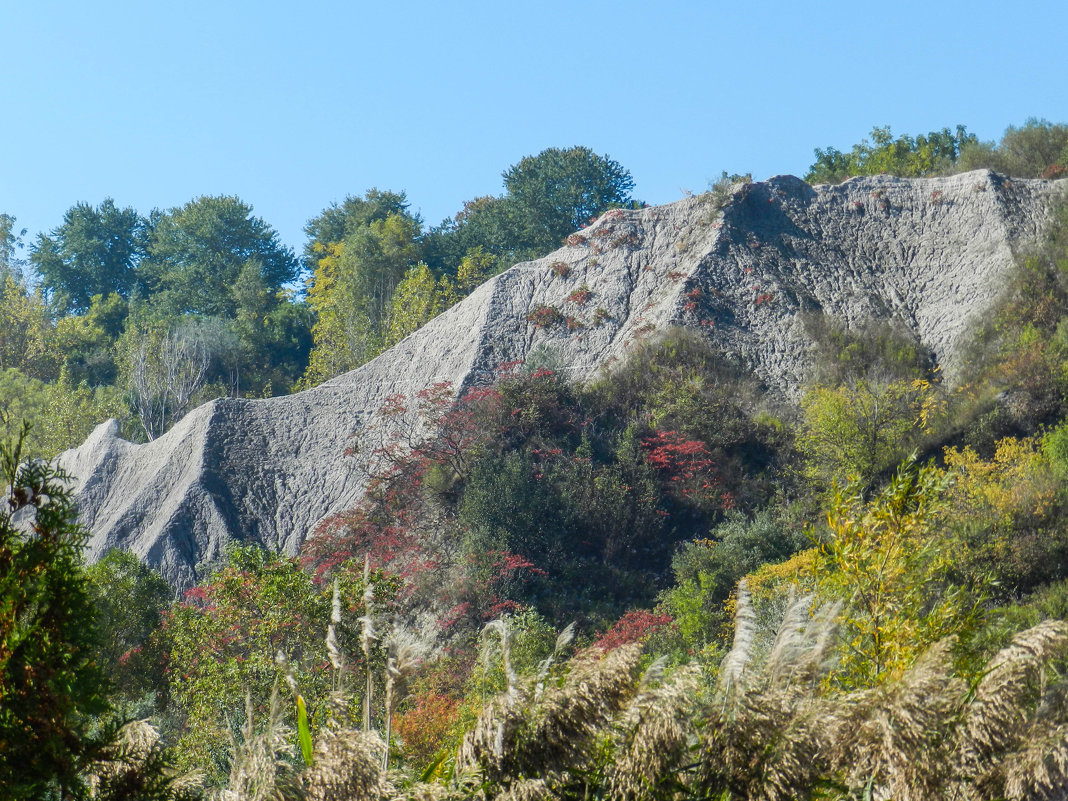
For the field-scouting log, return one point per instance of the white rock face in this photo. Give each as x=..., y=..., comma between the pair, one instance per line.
x=931, y=252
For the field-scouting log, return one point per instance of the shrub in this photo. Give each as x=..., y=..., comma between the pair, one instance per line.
x=581, y=296
x=707, y=570
x=545, y=316
x=1038, y=148
x=130, y=599
x=224, y=637
x=931, y=154
x=720, y=190
x=635, y=626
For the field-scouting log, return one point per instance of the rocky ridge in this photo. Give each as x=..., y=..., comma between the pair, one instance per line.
x=931, y=252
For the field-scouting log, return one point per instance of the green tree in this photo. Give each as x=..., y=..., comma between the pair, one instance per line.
x=130, y=598
x=10, y=244
x=50, y=686
x=26, y=335
x=932, y=154
x=558, y=191
x=88, y=341
x=862, y=429
x=476, y=267
x=196, y=254
x=418, y=299
x=352, y=292
x=63, y=413
x=707, y=572
x=96, y=251
x=337, y=222
x=873, y=398
x=274, y=333
x=490, y=226
x=892, y=564
x=547, y=197
x=1038, y=148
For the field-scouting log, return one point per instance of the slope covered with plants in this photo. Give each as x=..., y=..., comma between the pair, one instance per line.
x=662, y=582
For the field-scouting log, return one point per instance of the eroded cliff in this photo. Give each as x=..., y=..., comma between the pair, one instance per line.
x=932, y=253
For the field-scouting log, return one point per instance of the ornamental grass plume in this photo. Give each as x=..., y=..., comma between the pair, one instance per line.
x=651, y=748
x=346, y=766
x=771, y=727
x=526, y=733
x=563, y=725
x=732, y=671
x=1039, y=770
x=406, y=650
x=1010, y=741
x=367, y=638
x=891, y=739
x=261, y=767
x=765, y=736
x=135, y=766
x=927, y=736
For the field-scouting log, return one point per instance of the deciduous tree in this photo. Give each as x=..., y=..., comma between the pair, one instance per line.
x=352, y=291
x=891, y=562
x=197, y=252
x=559, y=190
x=931, y=154
x=96, y=251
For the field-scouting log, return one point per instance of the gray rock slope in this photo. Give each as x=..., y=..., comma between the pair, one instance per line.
x=931, y=252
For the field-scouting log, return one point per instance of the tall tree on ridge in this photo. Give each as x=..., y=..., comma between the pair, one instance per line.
x=95, y=251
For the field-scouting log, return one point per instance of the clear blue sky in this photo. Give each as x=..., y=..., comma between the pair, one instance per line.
x=294, y=105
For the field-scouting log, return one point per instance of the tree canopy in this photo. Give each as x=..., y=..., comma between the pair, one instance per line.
x=196, y=254
x=931, y=154
x=96, y=251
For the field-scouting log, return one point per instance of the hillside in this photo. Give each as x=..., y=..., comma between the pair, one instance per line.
x=929, y=252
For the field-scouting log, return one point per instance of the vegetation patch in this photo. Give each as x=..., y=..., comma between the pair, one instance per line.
x=545, y=316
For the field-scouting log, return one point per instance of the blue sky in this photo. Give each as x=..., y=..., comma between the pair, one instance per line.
x=294, y=105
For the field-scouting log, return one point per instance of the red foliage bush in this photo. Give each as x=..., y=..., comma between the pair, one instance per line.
x=580, y=296
x=634, y=626
x=545, y=316
x=424, y=726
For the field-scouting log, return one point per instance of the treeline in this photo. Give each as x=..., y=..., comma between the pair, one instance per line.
x=144, y=317
x=1036, y=149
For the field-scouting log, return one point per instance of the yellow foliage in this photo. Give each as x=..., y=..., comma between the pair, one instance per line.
x=475, y=268
x=891, y=562
x=1017, y=480
x=26, y=334
x=418, y=299
x=771, y=580
x=352, y=291
x=862, y=429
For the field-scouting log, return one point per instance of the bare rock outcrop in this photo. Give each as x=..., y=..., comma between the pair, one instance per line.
x=932, y=252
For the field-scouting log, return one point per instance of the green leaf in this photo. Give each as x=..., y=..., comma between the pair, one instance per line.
x=303, y=732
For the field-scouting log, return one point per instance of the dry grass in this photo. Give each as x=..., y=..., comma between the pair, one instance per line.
x=893, y=738
x=768, y=728
x=654, y=736
x=346, y=766
x=262, y=761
